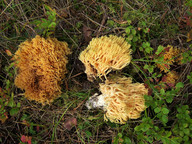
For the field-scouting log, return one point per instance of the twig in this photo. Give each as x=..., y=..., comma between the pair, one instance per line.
x=93, y=21
x=6, y=8
x=103, y=20
x=68, y=35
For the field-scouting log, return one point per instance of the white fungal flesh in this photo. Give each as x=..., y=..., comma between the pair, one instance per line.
x=96, y=101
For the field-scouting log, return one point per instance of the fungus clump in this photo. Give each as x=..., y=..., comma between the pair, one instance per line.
x=168, y=80
x=170, y=55
x=105, y=54
x=41, y=65
x=120, y=99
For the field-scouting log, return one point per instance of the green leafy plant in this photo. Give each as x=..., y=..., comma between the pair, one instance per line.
x=7, y=103
x=183, y=126
x=46, y=26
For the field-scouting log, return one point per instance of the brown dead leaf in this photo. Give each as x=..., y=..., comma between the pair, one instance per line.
x=70, y=123
x=87, y=33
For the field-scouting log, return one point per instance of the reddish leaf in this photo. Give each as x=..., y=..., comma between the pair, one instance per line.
x=29, y=140
x=23, y=138
x=37, y=128
x=150, y=91
x=8, y=52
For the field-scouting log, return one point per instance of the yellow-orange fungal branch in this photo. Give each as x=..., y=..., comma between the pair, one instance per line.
x=105, y=54
x=123, y=99
x=41, y=65
x=171, y=55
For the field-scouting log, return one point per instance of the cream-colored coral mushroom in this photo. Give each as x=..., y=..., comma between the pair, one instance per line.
x=120, y=99
x=41, y=65
x=105, y=54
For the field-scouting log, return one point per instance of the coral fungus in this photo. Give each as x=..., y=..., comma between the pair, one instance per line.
x=41, y=65
x=121, y=99
x=170, y=54
x=104, y=54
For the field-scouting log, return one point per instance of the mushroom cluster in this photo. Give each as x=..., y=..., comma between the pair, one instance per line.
x=170, y=55
x=105, y=54
x=168, y=80
x=41, y=65
x=120, y=99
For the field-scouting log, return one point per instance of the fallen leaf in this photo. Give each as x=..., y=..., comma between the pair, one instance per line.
x=8, y=52
x=150, y=91
x=70, y=123
x=87, y=33
x=23, y=138
x=37, y=128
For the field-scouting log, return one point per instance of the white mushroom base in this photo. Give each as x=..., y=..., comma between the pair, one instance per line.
x=96, y=101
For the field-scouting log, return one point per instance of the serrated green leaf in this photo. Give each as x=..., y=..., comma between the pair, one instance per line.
x=186, y=138
x=127, y=140
x=146, y=66
x=120, y=135
x=129, y=22
x=135, y=39
x=164, y=119
x=185, y=125
x=148, y=50
x=133, y=31
x=88, y=134
x=24, y=117
x=159, y=50
x=11, y=102
x=141, y=48
x=33, y=132
x=169, y=99
x=18, y=104
x=165, y=110
x=7, y=84
x=165, y=140
x=186, y=131
x=52, y=25
x=145, y=128
x=44, y=25
x=110, y=23
x=159, y=75
x=127, y=30
x=157, y=110
x=151, y=69
x=130, y=37
x=179, y=85
x=14, y=111
x=162, y=91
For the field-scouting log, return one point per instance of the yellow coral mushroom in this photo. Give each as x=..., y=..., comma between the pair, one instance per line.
x=104, y=54
x=121, y=99
x=170, y=53
x=41, y=66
